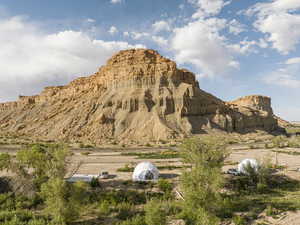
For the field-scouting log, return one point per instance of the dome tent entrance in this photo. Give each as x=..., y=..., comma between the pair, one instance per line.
x=246, y=163
x=145, y=171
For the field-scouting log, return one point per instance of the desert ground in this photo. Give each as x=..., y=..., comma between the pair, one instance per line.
x=114, y=159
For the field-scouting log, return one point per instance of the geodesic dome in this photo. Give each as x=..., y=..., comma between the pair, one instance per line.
x=242, y=167
x=145, y=171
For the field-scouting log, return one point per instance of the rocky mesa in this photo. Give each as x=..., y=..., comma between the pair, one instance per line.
x=138, y=95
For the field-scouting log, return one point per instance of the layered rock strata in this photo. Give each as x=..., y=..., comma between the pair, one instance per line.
x=138, y=95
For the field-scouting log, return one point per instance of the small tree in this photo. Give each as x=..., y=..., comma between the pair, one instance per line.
x=45, y=166
x=202, y=184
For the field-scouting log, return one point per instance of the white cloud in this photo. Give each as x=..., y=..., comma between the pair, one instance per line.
x=31, y=59
x=207, y=7
x=160, y=40
x=244, y=47
x=113, y=30
x=138, y=35
x=90, y=20
x=295, y=60
x=236, y=27
x=161, y=26
x=200, y=44
x=263, y=43
x=115, y=1
x=280, y=22
x=287, y=76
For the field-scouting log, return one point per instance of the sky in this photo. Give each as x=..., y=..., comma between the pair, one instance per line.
x=235, y=47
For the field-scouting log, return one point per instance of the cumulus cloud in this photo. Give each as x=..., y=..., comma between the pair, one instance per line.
x=31, y=59
x=207, y=7
x=160, y=40
x=279, y=20
x=244, y=47
x=138, y=35
x=161, y=26
x=236, y=27
x=200, y=44
x=113, y=30
x=287, y=76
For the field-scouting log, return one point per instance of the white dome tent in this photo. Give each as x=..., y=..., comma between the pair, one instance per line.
x=145, y=171
x=242, y=167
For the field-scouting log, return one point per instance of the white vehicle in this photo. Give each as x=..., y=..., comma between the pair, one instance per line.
x=233, y=172
x=81, y=177
x=104, y=175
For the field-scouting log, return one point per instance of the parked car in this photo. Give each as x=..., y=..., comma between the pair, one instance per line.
x=104, y=175
x=233, y=172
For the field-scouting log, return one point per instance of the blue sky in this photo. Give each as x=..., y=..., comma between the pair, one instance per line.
x=235, y=47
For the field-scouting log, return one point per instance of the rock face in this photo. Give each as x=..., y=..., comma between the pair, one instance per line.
x=138, y=95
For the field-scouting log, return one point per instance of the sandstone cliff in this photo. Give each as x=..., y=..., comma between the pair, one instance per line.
x=138, y=95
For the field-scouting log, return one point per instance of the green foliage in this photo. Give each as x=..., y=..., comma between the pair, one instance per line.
x=279, y=142
x=58, y=201
x=154, y=213
x=255, y=179
x=5, y=161
x=271, y=211
x=20, y=217
x=126, y=168
x=166, y=187
x=45, y=160
x=94, y=183
x=104, y=208
x=238, y=220
x=170, y=154
x=202, y=184
x=125, y=210
x=137, y=220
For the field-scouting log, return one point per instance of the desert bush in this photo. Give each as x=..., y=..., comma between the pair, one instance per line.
x=271, y=211
x=238, y=220
x=154, y=213
x=85, y=153
x=94, y=183
x=126, y=168
x=124, y=210
x=104, y=208
x=279, y=142
x=166, y=187
x=137, y=220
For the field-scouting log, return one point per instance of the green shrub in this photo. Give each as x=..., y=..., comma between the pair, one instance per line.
x=104, y=208
x=270, y=211
x=94, y=182
x=126, y=168
x=137, y=220
x=124, y=210
x=238, y=220
x=166, y=187
x=155, y=214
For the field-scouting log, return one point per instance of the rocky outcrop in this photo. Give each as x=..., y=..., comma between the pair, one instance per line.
x=256, y=102
x=138, y=95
